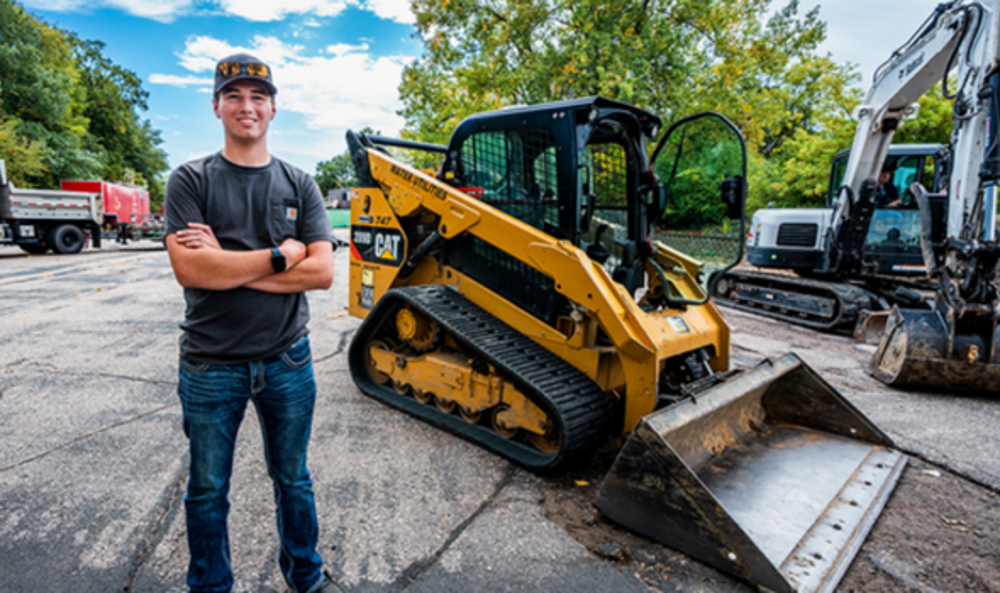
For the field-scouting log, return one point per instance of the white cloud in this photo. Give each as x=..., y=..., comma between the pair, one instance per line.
x=181, y=81
x=396, y=10
x=251, y=10
x=344, y=89
x=268, y=10
x=159, y=10
x=341, y=49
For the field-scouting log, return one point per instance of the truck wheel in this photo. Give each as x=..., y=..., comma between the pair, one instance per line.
x=66, y=239
x=33, y=248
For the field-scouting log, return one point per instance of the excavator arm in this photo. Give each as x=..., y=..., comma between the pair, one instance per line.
x=949, y=36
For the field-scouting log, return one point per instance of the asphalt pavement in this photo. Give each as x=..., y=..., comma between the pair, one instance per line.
x=93, y=459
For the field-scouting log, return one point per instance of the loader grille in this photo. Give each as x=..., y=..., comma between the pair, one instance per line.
x=797, y=235
x=508, y=276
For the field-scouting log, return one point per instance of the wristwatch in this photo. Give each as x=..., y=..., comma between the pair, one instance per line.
x=278, y=260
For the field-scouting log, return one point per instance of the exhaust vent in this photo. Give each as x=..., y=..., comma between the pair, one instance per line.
x=797, y=235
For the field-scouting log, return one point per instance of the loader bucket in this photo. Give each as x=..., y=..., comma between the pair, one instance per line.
x=771, y=476
x=918, y=350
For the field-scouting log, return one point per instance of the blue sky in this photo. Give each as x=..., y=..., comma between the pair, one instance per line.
x=337, y=62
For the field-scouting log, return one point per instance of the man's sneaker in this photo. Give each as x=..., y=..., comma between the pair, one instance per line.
x=327, y=585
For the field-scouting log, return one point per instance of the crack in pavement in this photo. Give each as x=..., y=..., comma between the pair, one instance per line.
x=418, y=568
x=955, y=471
x=52, y=370
x=167, y=507
x=86, y=436
x=345, y=336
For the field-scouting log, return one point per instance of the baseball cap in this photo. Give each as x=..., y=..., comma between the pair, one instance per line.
x=242, y=67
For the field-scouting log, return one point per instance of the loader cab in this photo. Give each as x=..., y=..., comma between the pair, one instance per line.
x=580, y=171
x=566, y=169
x=926, y=164
x=553, y=166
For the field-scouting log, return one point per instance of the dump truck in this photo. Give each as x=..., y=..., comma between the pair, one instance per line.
x=63, y=220
x=37, y=220
x=126, y=208
x=516, y=298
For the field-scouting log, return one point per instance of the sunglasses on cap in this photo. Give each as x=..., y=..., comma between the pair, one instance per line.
x=233, y=69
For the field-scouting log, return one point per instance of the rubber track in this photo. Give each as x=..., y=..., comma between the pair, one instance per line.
x=851, y=299
x=579, y=408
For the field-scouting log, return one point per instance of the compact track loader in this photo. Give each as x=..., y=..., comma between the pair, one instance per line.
x=516, y=299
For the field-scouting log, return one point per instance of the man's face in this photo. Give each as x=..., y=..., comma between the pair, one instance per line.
x=245, y=108
x=883, y=177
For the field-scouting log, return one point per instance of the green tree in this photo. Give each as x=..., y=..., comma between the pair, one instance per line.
x=40, y=91
x=670, y=56
x=70, y=110
x=338, y=172
x=128, y=145
x=797, y=175
x=23, y=157
x=673, y=57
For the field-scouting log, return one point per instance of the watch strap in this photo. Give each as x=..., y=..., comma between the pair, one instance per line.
x=278, y=262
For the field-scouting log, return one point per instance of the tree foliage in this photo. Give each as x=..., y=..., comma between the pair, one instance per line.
x=798, y=174
x=68, y=111
x=338, y=172
x=755, y=63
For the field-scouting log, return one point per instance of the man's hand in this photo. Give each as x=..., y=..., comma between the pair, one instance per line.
x=295, y=252
x=315, y=272
x=199, y=236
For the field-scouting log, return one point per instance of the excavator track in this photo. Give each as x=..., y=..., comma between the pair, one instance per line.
x=823, y=305
x=576, y=407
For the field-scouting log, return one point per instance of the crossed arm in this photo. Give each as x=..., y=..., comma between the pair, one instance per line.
x=200, y=262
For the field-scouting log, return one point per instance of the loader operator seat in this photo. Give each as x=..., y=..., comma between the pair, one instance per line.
x=629, y=272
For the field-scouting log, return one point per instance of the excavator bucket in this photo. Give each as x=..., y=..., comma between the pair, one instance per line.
x=870, y=325
x=918, y=349
x=771, y=476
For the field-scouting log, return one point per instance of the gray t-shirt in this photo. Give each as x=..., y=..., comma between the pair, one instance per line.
x=248, y=208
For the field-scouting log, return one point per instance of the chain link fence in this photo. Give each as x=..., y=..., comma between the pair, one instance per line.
x=714, y=247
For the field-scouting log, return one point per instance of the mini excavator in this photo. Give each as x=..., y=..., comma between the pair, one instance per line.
x=950, y=340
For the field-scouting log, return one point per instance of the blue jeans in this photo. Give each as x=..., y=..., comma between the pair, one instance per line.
x=214, y=398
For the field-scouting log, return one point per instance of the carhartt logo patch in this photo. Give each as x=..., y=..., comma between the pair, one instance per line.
x=291, y=213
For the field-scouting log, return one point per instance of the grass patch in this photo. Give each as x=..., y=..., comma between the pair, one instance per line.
x=339, y=219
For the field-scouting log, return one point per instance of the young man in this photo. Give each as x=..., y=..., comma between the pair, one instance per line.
x=889, y=196
x=247, y=234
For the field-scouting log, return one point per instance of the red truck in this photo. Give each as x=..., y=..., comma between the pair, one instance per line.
x=126, y=208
